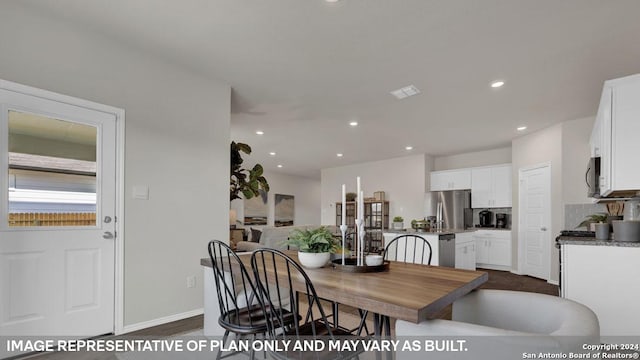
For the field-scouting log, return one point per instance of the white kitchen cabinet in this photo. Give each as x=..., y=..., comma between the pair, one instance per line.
x=605, y=279
x=616, y=130
x=465, y=251
x=493, y=249
x=491, y=187
x=451, y=180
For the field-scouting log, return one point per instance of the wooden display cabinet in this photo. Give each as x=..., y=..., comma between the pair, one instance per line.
x=376, y=220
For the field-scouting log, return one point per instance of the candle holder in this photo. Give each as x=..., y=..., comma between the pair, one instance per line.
x=343, y=230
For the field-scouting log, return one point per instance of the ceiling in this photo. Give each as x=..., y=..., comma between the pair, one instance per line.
x=302, y=70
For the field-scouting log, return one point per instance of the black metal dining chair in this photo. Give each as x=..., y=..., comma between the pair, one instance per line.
x=409, y=248
x=274, y=271
x=240, y=311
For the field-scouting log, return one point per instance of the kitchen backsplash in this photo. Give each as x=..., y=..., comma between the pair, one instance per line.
x=574, y=214
x=476, y=216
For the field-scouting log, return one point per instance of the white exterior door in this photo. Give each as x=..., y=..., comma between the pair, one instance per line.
x=57, y=217
x=535, y=220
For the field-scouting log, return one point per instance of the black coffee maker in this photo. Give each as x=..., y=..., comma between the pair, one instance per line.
x=501, y=221
x=486, y=218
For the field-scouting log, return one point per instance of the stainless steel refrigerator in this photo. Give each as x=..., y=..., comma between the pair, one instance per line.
x=456, y=208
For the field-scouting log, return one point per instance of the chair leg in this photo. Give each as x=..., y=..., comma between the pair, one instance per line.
x=252, y=352
x=387, y=325
x=224, y=341
x=363, y=322
x=334, y=307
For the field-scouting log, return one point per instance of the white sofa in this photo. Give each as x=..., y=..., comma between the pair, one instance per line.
x=515, y=319
x=272, y=237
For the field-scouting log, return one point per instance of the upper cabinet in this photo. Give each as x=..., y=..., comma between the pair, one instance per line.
x=491, y=187
x=615, y=136
x=451, y=180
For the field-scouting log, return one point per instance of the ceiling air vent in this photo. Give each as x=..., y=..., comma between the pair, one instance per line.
x=405, y=92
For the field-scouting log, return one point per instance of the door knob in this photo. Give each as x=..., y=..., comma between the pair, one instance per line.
x=108, y=235
x=543, y=229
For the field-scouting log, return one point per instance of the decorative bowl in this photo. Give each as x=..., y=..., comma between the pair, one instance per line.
x=373, y=260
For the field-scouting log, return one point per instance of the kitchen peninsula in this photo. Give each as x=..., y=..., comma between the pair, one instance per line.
x=450, y=247
x=602, y=274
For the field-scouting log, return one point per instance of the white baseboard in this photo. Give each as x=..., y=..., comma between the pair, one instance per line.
x=493, y=267
x=160, y=321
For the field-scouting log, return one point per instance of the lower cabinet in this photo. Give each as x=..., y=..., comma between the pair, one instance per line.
x=493, y=249
x=603, y=278
x=465, y=251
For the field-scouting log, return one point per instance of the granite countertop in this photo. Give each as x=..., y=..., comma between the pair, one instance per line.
x=578, y=240
x=443, y=232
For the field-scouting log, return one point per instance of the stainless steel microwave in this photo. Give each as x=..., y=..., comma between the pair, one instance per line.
x=592, y=177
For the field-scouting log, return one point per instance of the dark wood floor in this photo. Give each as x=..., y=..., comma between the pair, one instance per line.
x=501, y=280
x=170, y=329
x=504, y=280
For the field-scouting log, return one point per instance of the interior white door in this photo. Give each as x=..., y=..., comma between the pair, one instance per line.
x=535, y=220
x=56, y=277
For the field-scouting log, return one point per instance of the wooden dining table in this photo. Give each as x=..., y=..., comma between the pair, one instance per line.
x=411, y=292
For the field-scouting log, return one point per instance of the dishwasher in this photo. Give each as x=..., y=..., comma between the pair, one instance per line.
x=447, y=250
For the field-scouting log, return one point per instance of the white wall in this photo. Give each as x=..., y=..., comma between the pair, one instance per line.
x=544, y=146
x=177, y=143
x=306, y=194
x=473, y=159
x=575, y=154
x=402, y=180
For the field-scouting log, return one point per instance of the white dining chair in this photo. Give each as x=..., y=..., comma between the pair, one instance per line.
x=550, y=322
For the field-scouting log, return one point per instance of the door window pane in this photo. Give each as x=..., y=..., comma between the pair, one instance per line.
x=52, y=171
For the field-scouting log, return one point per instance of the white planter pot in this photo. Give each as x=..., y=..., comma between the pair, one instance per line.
x=313, y=260
x=398, y=225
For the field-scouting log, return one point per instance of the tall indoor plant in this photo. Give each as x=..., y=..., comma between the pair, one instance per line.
x=249, y=182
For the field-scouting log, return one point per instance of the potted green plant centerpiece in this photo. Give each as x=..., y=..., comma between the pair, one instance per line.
x=398, y=223
x=314, y=246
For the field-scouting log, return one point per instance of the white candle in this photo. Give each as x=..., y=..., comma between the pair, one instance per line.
x=344, y=204
x=361, y=200
x=358, y=195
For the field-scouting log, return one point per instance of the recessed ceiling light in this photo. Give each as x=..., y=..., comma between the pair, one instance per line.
x=260, y=132
x=279, y=165
x=339, y=155
x=408, y=148
x=405, y=92
x=497, y=84
x=521, y=128
x=332, y=1
x=353, y=123
x=272, y=153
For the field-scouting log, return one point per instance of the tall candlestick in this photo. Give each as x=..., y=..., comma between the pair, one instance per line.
x=361, y=232
x=344, y=204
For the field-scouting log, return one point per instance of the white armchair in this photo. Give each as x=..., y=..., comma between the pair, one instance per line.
x=546, y=322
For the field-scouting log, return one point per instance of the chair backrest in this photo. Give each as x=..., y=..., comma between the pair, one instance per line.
x=280, y=281
x=409, y=248
x=236, y=290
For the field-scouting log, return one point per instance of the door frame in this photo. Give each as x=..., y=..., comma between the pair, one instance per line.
x=521, y=241
x=119, y=114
